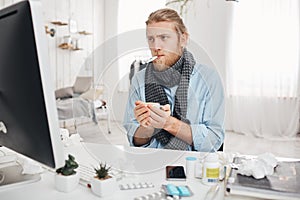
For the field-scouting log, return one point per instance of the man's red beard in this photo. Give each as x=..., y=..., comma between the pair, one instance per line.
x=165, y=61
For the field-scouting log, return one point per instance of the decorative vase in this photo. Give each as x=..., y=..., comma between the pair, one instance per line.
x=66, y=183
x=104, y=187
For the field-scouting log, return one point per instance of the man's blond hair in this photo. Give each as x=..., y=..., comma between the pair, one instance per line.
x=168, y=15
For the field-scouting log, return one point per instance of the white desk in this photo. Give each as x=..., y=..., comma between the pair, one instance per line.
x=140, y=165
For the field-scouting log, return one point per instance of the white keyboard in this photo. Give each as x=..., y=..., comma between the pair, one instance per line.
x=86, y=173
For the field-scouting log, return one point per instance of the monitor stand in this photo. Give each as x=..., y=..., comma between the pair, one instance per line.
x=11, y=176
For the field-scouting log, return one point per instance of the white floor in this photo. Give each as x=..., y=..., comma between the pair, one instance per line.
x=234, y=143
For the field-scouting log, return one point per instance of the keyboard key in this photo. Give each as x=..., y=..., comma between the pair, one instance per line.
x=86, y=173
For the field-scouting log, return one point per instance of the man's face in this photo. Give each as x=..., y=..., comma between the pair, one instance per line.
x=165, y=43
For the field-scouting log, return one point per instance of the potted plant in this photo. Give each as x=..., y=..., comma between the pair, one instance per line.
x=103, y=184
x=66, y=178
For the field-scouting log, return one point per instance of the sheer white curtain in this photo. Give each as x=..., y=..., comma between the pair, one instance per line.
x=263, y=69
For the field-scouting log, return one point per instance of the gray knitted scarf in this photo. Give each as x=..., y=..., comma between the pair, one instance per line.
x=155, y=81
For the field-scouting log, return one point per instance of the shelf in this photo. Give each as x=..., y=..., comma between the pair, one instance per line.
x=66, y=46
x=59, y=23
x=84, y=33
x=68, y=42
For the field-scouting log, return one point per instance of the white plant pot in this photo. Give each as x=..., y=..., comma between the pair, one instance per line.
x=66, y=183
x=104, y=187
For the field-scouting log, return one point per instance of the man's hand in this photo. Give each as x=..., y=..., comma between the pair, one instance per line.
x=158, y=116
x=151, y=116
x=144, y=132
x=141, y=113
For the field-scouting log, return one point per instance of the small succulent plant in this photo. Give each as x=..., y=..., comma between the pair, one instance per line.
x=102, y=171
x=69, y=167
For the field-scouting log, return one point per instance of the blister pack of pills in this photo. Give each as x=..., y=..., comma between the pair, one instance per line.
x=156, y=196
x=131, y=186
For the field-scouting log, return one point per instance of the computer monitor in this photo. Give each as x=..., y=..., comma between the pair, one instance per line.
x=28, y=116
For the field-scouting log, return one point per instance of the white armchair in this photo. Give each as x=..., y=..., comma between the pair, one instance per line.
x=80, y=102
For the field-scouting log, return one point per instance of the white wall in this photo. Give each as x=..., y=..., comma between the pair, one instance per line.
x=89, y=15
x=109, y=72
x=208, y=23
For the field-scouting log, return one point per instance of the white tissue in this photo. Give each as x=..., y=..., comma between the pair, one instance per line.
x=268, y=158
x=31, y=167
x=259, y=167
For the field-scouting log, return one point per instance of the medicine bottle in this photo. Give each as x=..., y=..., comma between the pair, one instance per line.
x=211, y=169
x=190, y=166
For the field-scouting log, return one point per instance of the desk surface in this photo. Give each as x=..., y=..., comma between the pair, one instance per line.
x=139, y=165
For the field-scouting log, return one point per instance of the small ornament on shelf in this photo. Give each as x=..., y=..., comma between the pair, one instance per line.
x=59, y=23
x=84, y=33
x=50, y=31
x=69, y=43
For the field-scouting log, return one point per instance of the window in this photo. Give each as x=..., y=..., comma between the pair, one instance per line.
x=265, y=49
x=263, y=73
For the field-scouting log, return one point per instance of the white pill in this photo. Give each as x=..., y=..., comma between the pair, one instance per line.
x=146, y=197
x=176, y=197
x=159, y=194
x=125, y=187
x=144, y=185
x=131, y=186
x=150, y=185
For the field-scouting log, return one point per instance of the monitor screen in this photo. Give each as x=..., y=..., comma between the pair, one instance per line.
x=28, y=115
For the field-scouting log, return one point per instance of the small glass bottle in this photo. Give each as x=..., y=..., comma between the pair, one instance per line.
x=211, y=169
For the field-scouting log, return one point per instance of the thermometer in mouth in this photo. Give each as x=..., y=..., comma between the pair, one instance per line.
x=151, y=59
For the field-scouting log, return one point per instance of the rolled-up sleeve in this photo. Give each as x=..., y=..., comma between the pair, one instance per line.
x=136, y=92
x=208, y=124
x=129, y=122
